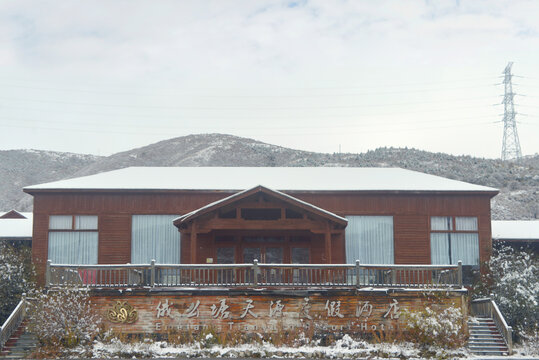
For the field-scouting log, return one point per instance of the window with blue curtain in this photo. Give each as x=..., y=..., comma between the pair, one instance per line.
x=448, y=246
x=73, y=239
x=369, y=239
x=154, y=237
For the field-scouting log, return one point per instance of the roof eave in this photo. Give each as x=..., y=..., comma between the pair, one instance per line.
x=491, y=193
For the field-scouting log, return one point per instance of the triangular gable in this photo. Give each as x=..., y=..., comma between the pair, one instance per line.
x=13, y=214
x=342, y=222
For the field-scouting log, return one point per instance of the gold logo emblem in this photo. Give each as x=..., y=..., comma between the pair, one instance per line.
x=122, y=313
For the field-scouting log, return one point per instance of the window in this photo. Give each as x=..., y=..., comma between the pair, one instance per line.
x=73, y=239
x=261, y=214
x=369, y=239
x=293, y=214
x=225, y=255
x=154, y=237
x=453, y=239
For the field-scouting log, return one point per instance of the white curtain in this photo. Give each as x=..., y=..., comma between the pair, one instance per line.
x=439, y=248
x=465, y=247
x=72, y=247
x=154, y=237
x=369, y=239
x=60, y=222
x=466, y=223
x=441, y=223
x=85, y=222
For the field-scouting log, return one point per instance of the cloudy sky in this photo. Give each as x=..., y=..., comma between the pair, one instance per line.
x=106, y=76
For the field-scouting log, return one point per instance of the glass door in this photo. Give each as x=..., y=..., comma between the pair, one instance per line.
x=267, y=254
x=300, y=255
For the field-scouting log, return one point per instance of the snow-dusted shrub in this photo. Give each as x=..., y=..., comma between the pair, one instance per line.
x=513, y=283
x=16, y=277
x=443, y=327
x=63, y=318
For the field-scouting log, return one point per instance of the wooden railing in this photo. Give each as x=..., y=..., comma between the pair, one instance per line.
x=255, y=275
x=487, y=307
x=13, y=322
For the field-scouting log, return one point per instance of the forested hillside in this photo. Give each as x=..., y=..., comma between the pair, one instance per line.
x=518, y=182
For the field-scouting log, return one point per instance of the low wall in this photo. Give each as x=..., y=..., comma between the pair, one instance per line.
x=264, y=311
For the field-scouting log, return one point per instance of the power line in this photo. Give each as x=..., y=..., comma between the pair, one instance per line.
x=228, y=88
x=201, y=107
x=287, y=132
x=197, y=126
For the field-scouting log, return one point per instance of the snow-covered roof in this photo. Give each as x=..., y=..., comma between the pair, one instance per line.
x=16, y=228
x=515, y=229
x=279, y=178
x=14, y=214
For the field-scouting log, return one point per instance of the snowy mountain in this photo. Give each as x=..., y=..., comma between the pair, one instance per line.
x=518, y=182
x=19, y=168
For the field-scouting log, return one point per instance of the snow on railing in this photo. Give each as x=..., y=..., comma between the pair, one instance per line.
x=255, y=275
x=13, y=322
x=487, y=307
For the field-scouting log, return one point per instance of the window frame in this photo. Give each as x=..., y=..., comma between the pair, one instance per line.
x=454, y=230
x=73, y=229
x=388, y=216
x=73, y=224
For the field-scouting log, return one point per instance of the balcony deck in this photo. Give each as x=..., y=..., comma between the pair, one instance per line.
x=255, y=275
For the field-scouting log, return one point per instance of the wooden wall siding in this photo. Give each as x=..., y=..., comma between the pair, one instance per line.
x=403, y=208
x=114, y=243
x=327, y=312
x=485, y=237
x=40, y=243
x=339, y=203
x=411, y=240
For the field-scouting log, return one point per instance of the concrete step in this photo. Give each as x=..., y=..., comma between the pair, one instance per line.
x=485, y=332
x=491, y=353
x=485, y=339
x=482, y=327
x=487, y=346
x=20, y=345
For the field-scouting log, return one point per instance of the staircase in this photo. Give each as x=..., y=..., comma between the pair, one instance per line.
x=485, y=339
x=20, y=345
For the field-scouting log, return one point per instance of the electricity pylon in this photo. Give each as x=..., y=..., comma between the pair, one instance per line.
x=511, y=144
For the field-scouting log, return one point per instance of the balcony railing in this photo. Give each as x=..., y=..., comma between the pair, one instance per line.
x=255, y=275
x=13, y=321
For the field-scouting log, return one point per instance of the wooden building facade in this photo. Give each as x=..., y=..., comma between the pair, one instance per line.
x=274, y=215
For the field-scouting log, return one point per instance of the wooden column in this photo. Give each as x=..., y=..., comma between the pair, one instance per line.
x=327, y=239
x=194, y=243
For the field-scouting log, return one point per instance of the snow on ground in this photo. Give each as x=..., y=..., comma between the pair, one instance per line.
x=345, y=348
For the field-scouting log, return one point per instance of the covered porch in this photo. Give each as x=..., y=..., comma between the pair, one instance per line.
x=261, y=224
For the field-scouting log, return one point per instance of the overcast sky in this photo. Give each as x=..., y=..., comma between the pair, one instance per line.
x=106, y=76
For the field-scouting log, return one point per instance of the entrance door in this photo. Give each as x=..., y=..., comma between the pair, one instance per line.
x=264, y=254
x=300, y=255
x=265, y=249
x=267, y=254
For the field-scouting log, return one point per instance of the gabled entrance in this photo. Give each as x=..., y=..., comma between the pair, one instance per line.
x=261, y=224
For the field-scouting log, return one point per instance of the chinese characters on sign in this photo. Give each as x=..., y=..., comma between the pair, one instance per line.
x=163, y=309
x=221, y=310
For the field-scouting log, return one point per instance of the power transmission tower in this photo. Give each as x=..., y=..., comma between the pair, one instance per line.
x=511, y=144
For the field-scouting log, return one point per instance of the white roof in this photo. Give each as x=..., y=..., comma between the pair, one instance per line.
x=279, y=178
x=16, y=228
x=515, y=229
